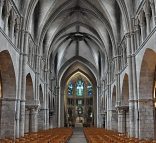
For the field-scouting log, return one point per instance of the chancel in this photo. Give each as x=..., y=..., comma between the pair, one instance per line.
x=79, y=101
x=77, y=71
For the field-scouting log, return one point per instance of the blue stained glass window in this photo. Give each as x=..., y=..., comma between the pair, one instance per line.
x=70, y=88
x=90, y=89
x=80, y=88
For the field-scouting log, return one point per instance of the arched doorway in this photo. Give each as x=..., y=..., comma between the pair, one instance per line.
x=78, y=101
x=41, y=122
x=124, y=112
x=7, y=95
x=29, y=105
x=114, y=117
x=65, y=75
x=146, y=106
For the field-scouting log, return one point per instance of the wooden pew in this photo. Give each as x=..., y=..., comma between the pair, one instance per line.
x=56, y=135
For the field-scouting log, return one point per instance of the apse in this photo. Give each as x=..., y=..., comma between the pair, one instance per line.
x=78, y=96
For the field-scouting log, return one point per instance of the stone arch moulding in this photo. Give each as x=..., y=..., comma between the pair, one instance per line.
x=114, y=114
x=41, y=112
x=66, y=74
x=80, y=60
x=8, y=102
x=125, y=90
x=29, y=95
x=14, y=57
x=124, y=109
x=29, y=72
x=146, y=95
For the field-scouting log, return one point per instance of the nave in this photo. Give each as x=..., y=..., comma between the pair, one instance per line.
x=70, y=62
x=76, y=135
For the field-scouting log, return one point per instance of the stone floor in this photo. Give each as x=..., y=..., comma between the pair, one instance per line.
x=78, y=136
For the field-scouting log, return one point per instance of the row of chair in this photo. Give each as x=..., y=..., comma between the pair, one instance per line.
x=100, y=135
x=55, y=135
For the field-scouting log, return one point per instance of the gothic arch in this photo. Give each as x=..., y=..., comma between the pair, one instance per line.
x=95, y=13
x=125, y=91
x=8, y=91
x=29, y=13
x=146, y=94
x=41, y=97
x=82, y=62
x=113, y=97
x=125, y=13
x=63, y=79
x=7, y=74
x=114, y=116
x=41, y=122
x=29, y=96
x=125, y=104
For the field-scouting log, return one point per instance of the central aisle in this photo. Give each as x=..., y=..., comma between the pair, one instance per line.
x=78, y=136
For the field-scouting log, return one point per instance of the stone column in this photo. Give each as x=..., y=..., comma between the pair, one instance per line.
x=59, y=104
x=12, y=29
x=51, y=119
x=6, y=23
x=118, y=93
x=137, y=33
x=17, y=23
x=8, y=122
x=26, y=125
x=1, y=7
x=142, y=26
x=153, y=13
x=122, y=127
x=148, y=22
x=134, y=76
x=131, y=96
x=97, y=107
x=42, y=119
x=135, y=94
x=17, y=118
x=147, y=16
x=154, y=1
x=22, y=117
x=121, y=120
x=34, y=119
x=109, y=104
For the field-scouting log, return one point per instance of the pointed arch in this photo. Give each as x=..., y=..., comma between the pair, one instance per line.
x=8, y=91
x=125, y=90
x=29, y=88
x=41, y=97
x=114, y=97
x=41, y=112
x=114, y=116
x=146, y=94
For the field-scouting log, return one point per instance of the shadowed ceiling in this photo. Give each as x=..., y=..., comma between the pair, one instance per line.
x=78, y=29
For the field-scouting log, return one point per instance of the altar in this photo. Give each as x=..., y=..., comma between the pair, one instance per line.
x=79, y=125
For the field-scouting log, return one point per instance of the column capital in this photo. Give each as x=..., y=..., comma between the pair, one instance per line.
x=128, y=35
x=146, y=7
x=152, y=3
x=34, y=109
x=141, y=18
x=122, y=108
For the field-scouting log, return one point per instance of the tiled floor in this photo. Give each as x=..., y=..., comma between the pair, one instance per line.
x=78, y=136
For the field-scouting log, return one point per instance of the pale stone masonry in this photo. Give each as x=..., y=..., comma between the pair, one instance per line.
x=112, y=43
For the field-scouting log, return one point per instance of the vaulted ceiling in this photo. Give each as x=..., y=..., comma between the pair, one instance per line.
x=78, y=29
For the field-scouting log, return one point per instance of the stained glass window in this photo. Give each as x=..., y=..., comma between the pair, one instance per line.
x=90, y=89
x=70, y=88
x=80, y=88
